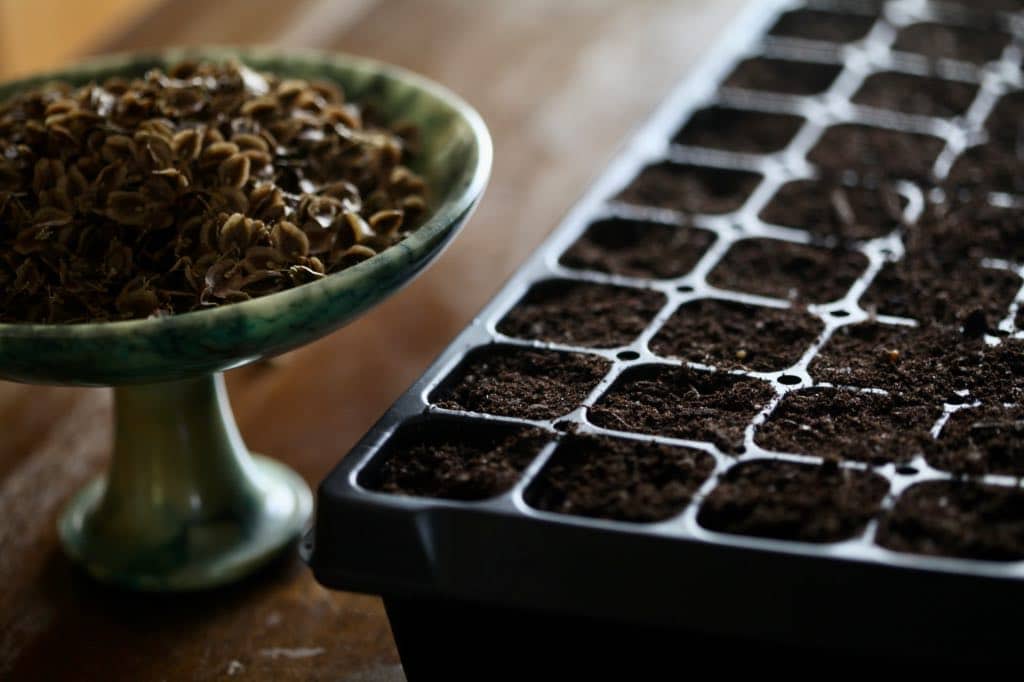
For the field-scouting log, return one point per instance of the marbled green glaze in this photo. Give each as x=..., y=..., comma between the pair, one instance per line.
x=185, y=506
x=455, y=161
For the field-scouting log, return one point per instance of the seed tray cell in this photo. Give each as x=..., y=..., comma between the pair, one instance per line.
x=731, y=335
x=836, y=423
x=683, y=403
x=788, y=271
x=956, y=518
x=1003, y=123
x=635, y=248
x=938, y=365
x=520, y=382
x=764, y=387
x=578, y=313
x=783, y=76
x=921, y=95
x=896, y=358
x=453, y=459
x=982, y=439
x=992, y=166
x=1001, y=377
x=936, y=290
x=832, y=209
x=790, y=501
x=813, y=24
x=739, y=130
x=623, y=480
x=690, y=188
x=962, y=43
x=978, y=231
x=876, y=153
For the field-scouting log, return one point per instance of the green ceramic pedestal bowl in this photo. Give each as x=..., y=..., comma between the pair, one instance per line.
x=184, y=505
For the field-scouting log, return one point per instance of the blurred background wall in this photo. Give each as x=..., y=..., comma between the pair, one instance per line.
x=38, y=34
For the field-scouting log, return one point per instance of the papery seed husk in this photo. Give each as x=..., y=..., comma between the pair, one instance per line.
x=386, y=222
x=359, y=228
x=289, y=239
x=126, y=207
x=118, y=147
x=259, y=107
x=138, y=303
x=219, y=151
x=235, y=232
x=172, y=192
x=257, y=158
x=353, y=255
x=248, y=141
x=413, y=205
x=187, y=144
x=234, y=171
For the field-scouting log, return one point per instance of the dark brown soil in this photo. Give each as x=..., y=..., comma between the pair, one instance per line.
x=638, y=249
x=876, y=153
x=624, y=480
x=737, y=130
x=690, y=189
x=994, y=167
x=830, y=209
x=582, y=314
x=517, y=382
x=931, y=363
x=923, y=95
x=1000, y=377
x=952, y=42
x=818, y=25
x=785, y=270
x=731, y=335
x=788, y=501
x=940, y=278
x=1006, y=118
x=783, y=76
x=455, y=459
x=983, y=440
x=971, y=229
x=997, y=165
x=924, y=288
x=837, y=423
x=682, y=403
x=957, y=519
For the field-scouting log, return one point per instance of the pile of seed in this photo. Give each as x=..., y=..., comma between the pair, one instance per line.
x=178, y=191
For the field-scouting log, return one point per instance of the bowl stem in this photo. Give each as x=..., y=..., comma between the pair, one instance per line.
x=184, y=505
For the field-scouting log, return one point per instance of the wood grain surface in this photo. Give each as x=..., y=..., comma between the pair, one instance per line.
x=560, y=83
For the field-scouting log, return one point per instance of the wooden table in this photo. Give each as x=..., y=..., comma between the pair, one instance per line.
x=559, y=83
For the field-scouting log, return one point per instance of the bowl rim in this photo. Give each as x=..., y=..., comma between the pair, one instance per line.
x=445, y=216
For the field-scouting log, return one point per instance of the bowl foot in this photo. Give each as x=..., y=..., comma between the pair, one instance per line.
x=204, y=554
x=184, y=505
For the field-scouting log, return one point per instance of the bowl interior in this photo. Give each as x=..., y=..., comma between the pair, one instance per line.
x=455, y=161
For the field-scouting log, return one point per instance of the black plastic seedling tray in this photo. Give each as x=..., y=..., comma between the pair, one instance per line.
x=597, y=582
